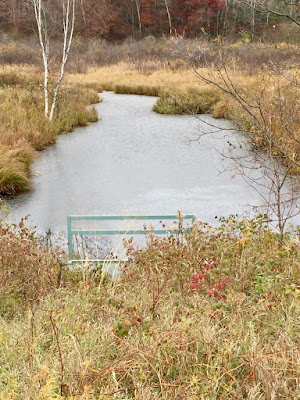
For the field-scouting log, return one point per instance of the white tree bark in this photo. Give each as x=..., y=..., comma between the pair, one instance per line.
x=69, y=22
x=138, y=4
x=68, y=31
x=44, y=43
x=169, y=15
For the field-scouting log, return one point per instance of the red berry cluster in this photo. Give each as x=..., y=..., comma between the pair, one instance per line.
x=195, y=280
x=203, y=280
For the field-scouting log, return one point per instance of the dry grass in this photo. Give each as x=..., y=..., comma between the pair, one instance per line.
x=28, y=270
x=24, y=128
x=127, y=75
x=152, y=53
x=14, y=166
x=149, y=336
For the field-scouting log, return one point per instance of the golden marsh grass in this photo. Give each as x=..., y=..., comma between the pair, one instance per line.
x=23, y=127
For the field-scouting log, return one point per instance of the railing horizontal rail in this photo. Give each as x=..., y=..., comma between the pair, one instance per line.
x=125, y=232
x=125, y=217
x=103, y=232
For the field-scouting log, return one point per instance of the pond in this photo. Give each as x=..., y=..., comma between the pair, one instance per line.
x=134, y=161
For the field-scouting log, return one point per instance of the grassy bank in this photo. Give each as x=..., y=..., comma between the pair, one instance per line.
x=179, y=91
x=23, y=128
x=213, y=317
x=270, y=96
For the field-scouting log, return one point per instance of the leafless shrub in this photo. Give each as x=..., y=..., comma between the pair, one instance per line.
x=29, y=270
x=150, y=53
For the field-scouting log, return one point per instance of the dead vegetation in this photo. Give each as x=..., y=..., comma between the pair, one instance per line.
x=212, y=316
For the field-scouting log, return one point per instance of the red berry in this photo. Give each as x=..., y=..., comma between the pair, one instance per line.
x=194, y=286
x=195, y=279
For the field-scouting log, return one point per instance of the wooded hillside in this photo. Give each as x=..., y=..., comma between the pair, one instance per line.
x=118, y=19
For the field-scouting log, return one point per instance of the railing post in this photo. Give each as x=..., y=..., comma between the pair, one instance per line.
x=70, y=239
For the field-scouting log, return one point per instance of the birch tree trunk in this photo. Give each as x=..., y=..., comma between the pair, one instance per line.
x=44, y=43
x=68, y=31
x=138, y=10
x=69, y=21
x=169, y=16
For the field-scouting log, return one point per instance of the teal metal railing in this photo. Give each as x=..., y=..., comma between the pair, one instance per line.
x=72, y=232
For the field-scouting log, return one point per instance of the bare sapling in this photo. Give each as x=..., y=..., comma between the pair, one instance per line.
x=68, y=20
x=284, y=9
x=269, y=124
x=167, y=5
x=138, y=4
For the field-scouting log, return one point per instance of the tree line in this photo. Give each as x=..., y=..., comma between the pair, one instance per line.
x=118, y=19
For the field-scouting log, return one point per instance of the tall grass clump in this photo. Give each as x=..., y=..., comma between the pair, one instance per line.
x=190, y=102
x=139, y=90
x=213, y=314
x=14, y=167
x=24, y=128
